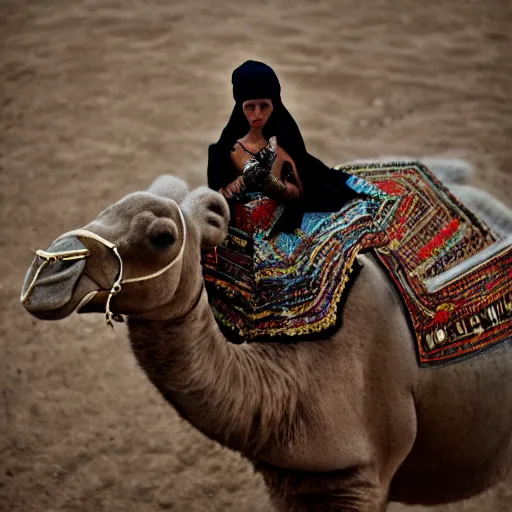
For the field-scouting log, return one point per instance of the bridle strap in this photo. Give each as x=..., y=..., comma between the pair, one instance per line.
x=116, y=287
x=51, y=257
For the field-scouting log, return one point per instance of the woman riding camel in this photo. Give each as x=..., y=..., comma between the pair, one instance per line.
x=261, y=149
x=282, y=201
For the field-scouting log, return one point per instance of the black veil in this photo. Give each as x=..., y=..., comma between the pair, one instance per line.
x=325, y=188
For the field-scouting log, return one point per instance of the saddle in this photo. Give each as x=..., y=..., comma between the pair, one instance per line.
x=453, y=272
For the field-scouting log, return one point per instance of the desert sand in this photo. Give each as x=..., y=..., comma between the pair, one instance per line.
x=98, y=97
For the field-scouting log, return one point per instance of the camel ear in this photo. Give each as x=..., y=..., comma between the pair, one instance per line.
x=210, y=212
x=170, y=187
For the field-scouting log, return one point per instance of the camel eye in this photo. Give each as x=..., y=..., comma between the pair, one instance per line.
x=163, y=240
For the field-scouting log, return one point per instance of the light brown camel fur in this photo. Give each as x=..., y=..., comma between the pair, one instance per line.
x=345, y=424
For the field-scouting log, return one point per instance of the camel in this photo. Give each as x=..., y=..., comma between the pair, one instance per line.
x=345, y=424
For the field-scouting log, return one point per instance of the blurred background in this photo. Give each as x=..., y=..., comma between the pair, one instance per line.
x=99, y=97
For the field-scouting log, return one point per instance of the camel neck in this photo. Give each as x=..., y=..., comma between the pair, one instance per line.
x=244, y=396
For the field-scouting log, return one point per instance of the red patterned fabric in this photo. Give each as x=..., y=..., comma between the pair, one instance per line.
x=431, y=234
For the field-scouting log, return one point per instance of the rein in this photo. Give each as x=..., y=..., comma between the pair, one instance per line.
x=80, y=254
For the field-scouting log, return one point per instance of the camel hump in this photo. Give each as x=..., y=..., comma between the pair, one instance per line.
x=449, y=170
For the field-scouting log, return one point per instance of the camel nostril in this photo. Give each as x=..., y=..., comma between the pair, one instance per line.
x=163, y=240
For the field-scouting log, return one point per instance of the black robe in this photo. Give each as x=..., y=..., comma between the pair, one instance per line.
x=325, y=188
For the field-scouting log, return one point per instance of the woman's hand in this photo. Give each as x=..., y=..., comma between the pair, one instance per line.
x=234, y=188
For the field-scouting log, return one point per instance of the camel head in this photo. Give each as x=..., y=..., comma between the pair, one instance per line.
x=138, y=256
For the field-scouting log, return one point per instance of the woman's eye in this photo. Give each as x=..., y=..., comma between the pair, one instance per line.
x=263, y=106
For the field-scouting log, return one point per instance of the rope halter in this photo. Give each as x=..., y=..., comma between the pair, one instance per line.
x=79, y=254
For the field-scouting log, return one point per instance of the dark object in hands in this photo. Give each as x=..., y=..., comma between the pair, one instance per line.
x=255, y=175
x=266, y=157
x=257, y=170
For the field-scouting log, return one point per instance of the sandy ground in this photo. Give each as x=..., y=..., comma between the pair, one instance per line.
x=97, y=98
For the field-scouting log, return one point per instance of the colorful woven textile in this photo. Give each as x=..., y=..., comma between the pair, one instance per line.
x=453, y=272
x=289, y=284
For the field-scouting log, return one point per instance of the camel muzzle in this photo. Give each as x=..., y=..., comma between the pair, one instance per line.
x=52, y=278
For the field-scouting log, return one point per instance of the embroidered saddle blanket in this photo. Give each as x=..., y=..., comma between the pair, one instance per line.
x=288, y=284
x=453, y=272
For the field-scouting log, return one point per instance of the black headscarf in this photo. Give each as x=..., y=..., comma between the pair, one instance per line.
x=325, y=189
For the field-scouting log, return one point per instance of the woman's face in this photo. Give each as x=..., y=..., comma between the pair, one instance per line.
x=258, y=111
